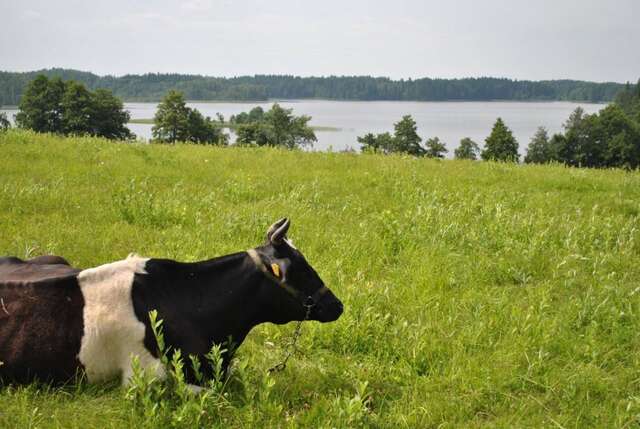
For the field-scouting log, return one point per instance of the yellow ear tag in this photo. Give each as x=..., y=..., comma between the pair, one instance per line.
x=276, y=270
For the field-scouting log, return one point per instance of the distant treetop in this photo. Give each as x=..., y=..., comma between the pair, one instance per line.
x=501, y=145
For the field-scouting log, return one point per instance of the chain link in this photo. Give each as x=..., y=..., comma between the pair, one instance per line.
x=291, y=347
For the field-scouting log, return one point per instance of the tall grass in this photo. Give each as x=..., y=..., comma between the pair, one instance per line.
x=477, y=294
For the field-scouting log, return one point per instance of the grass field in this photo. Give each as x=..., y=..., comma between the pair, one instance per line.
x=476, y=294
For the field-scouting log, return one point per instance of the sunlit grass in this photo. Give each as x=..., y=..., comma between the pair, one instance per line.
x=476, y=294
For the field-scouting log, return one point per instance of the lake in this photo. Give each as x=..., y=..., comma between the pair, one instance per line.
x=450, y=121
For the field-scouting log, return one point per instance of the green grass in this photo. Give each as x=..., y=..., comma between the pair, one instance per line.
x=476, y=294
x=231, y=126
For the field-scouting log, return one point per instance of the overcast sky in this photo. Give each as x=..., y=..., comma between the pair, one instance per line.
x=543, y=39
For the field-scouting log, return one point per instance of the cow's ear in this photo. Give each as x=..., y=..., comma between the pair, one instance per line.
x=278, y=231
x=274, y=227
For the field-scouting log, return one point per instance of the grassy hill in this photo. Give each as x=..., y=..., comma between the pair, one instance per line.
x=476, y=294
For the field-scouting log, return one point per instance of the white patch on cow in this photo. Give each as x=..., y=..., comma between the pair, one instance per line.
x=112, y=332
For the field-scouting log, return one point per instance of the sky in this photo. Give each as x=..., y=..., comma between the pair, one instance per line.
x=597, y=40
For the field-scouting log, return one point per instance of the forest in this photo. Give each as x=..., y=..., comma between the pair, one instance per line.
x=153, y=86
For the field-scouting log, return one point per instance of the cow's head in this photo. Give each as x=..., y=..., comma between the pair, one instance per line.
x=294, y=283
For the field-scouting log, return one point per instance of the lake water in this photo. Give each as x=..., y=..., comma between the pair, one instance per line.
x=450, y=121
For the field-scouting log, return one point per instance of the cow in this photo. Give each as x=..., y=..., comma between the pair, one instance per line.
x=57, y=321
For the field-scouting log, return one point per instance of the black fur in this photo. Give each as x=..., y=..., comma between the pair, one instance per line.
x=208, y=302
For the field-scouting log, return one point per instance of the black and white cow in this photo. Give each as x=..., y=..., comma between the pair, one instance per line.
x=56, y=320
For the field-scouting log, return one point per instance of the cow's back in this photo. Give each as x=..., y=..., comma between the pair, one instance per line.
x=41, y=323
x=15, y=270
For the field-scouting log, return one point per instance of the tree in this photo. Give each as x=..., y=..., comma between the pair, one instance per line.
x=609, y=138
x=174, y=121
x=381, y=143
x=276, y=127
x=582, y=146
x=4, y=122
x=171, y=121
x=620, y=135
x=40, y=108
x=368, y=142
x=108, y=117
x=255, y=115
x=468, y=149
x=540, y=150
x=288, y=130
x=252, y=134
x=406, y=138
x=572, y=131
x=500, y=145
x=574, y=140
x=629, y=100
x=557, y=145
x=240, y=118
x=204, y=130
x=76, y=106
x=51, y=105
x=575, y=119
x=386, y=142
x=435, y=148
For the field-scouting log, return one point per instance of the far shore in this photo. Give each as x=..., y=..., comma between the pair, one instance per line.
x=349, y=100
x=293, y=100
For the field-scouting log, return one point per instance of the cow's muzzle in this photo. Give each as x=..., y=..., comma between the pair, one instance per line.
x=327, y=309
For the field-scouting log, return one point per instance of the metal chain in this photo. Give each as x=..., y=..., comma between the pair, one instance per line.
x=291, y=347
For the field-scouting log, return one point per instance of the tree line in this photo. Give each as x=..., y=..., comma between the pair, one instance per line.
x=609, y=138
x=153, y=87
x=501, y=145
